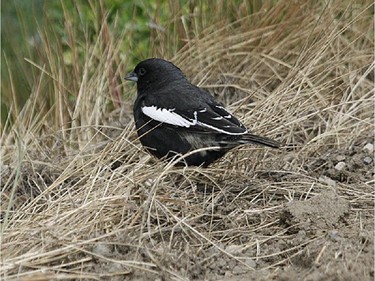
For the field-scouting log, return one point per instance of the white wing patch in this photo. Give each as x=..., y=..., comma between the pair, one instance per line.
x=168, y=116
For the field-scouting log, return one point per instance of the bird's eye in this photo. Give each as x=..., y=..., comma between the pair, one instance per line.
x=142, y=71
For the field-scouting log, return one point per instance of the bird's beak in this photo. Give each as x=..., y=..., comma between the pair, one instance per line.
x=132, y=76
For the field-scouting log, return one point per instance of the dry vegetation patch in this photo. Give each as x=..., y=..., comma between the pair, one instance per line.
x=85, y=201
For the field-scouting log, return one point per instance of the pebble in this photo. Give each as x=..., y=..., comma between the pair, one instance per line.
x=328, y=181
x=251, y=263
x=334, y=236
x=234, y=249
x=240, y=270
x=289, y=158
x=243, y=268
x=228, y=274
x=367, y=160
x=102, y=250
x=368, y=148
x=221, y=263
x=339, y=166
x=340, y=158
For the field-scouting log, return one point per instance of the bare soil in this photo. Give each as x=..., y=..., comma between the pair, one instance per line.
x=325, y=233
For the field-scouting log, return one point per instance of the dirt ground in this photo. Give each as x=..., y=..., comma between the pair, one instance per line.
x=278, y=225
x=326, y=237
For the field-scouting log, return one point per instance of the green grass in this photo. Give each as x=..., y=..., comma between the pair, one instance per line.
x=60, y=33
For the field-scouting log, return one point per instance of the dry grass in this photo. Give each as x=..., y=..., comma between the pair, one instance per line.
x=300, y=73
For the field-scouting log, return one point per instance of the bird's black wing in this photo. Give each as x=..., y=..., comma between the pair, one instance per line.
x=196, y=110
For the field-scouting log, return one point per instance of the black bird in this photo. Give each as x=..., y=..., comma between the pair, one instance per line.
x=173, y=116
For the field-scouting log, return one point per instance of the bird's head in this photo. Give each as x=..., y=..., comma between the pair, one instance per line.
x=153, y=72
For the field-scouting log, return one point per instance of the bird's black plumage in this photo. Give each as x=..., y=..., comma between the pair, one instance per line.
x=173, y=116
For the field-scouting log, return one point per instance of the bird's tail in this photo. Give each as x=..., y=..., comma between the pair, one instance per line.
x=250, y=138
